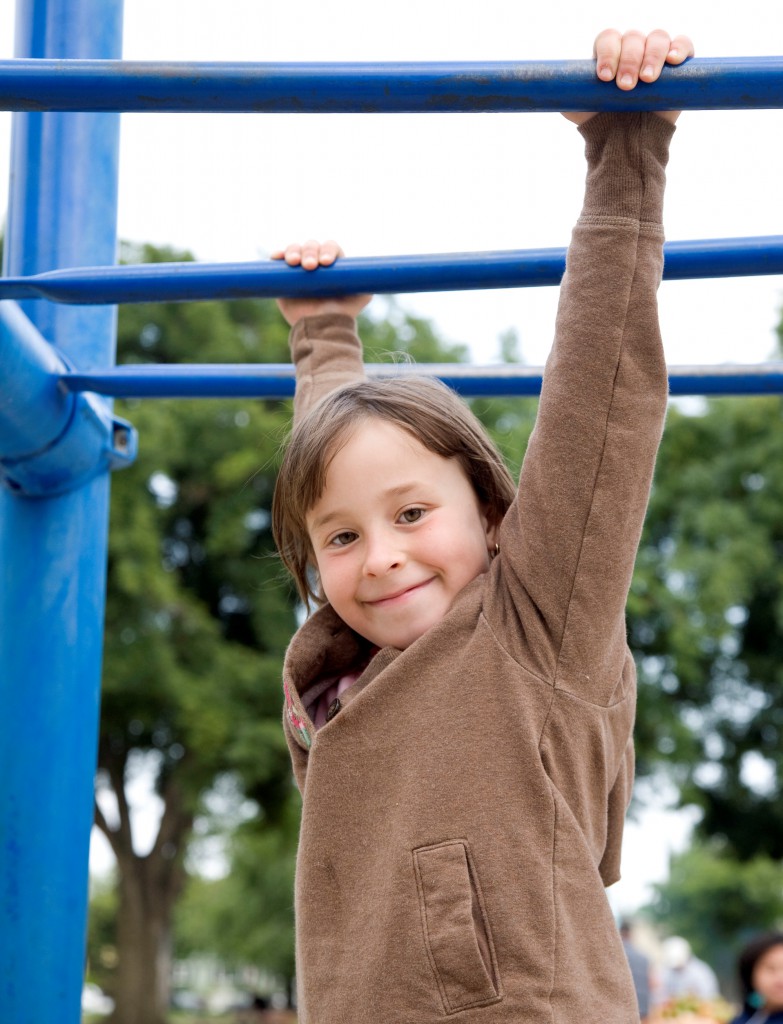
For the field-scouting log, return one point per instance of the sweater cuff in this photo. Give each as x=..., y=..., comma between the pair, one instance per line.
x=330, y=330
x=626, y=155
x=327, y=354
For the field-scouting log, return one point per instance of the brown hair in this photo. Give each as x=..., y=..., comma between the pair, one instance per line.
x=424, y=407
x=749, y=957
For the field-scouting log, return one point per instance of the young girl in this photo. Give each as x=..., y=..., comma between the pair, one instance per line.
x=459, y=710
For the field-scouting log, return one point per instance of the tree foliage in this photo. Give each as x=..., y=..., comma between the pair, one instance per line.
x=706, y=620
x=197, y=617
x=247, y=916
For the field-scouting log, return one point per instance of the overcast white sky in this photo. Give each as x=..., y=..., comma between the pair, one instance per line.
x=234, y=187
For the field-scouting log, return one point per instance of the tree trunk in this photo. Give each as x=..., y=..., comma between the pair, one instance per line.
x=290, y=989
x=143, y=945
x=148, y=889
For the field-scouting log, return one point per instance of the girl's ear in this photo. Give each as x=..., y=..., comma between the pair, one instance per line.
x=491, y=530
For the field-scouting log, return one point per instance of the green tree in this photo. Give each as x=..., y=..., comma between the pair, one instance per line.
x=102, y=932
x=246, y=918
x=197, y=620
x=706, y=620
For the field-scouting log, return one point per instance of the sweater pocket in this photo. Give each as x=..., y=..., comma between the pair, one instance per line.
x=456, y=929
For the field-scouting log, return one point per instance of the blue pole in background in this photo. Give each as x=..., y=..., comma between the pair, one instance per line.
x=62, y=212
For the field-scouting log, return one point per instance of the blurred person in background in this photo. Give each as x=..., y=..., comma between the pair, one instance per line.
x=640, y=968
x=760, y=969
x=684, y=974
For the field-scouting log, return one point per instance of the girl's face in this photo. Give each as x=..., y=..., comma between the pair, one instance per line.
x=397, y=533
x=768, y=978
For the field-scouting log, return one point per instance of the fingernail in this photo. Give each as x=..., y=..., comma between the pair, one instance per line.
x=605, y=74
x=626, y=79
x=674, y=52
x=648, y=71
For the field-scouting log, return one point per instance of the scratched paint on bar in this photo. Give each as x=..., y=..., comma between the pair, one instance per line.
x=525, y=86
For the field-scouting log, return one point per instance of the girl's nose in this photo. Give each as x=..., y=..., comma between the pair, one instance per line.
x=383, y=553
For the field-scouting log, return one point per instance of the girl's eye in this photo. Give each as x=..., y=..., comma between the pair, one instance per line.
x=412, y=515
x=340, y=540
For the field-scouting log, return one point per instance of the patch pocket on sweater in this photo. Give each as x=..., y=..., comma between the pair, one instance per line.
x=456, y=928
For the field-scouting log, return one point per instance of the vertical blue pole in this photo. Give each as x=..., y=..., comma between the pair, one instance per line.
x=62, y=212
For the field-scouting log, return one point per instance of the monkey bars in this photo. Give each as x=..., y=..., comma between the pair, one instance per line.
x=59, y=438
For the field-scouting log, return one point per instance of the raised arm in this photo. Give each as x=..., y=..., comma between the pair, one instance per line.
x=569, y=542
x=325, y=347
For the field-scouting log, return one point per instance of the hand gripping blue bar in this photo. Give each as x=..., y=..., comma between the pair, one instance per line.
x=723, y=83
x=180, y=282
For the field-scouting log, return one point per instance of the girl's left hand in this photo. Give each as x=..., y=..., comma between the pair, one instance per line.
x=310, y=256
x=633, y=57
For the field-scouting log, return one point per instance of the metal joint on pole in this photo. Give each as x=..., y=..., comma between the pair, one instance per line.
x=51, y=441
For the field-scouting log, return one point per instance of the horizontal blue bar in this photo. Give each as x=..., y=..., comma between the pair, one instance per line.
x=523, y=268
x=723, y=83
x=276, y=380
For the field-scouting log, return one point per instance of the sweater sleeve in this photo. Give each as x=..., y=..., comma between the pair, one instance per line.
x=569, y=541
x=327, y=354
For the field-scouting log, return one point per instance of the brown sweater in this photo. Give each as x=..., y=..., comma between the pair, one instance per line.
x=464, y=810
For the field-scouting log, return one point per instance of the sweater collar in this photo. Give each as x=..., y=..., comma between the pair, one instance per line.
x=323, y=647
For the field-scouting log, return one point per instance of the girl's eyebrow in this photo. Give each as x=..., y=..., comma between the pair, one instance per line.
x=398, y=491
x=402, y=489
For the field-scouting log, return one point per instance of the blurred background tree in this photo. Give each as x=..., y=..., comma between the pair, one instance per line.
x=197, y=620
x=706, y=621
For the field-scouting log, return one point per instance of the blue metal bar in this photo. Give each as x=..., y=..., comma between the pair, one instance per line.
x=34, y=410
x=727, y=83
x=523, y=268
x=276, y=380
x=62, y=212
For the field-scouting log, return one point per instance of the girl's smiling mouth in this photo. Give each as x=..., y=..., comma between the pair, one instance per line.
x=399, y=595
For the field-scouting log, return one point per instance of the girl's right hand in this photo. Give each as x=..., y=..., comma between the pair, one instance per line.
x=632, y=57
x=310, y=256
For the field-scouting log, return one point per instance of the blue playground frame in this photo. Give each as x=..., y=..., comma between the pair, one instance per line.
x=59, y=438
